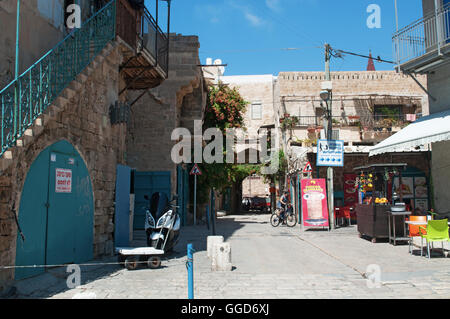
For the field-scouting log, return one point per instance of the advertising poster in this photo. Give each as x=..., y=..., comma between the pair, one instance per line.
x=314, y=203
x=420, y=187
x=350, y=190
x=407, y=187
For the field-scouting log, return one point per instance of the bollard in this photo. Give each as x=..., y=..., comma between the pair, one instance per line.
x=211, y=241
x=190, y=268
x=221, y=260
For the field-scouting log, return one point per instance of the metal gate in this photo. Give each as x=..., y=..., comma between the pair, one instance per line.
x=147, y=183
x=56, y=211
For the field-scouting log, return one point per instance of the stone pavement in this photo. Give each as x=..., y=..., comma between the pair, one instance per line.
x=268, y=262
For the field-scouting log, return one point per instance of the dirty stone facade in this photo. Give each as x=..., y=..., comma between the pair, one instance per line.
x=81, y=118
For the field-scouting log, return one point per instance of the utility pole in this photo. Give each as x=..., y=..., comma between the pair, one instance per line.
x=329, y=136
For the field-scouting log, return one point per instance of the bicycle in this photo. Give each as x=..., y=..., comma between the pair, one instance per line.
x=288, y=218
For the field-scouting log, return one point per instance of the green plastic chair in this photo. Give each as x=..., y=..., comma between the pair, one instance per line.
x=437, y=230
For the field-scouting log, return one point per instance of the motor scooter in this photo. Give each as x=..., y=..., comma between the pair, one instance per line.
x=162, y=222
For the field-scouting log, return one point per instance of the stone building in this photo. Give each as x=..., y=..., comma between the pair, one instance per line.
x=176, y=103
x=367, y=107
x=258, y=91
x=70, y=133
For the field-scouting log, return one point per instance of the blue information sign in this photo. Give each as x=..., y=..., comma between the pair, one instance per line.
x=330, y=153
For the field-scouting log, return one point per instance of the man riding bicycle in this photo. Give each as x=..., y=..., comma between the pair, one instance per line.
x=284, y=200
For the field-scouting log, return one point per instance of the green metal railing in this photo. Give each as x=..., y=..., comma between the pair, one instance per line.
x=28, y=96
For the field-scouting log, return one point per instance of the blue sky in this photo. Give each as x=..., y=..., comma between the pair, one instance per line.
x=248, y=34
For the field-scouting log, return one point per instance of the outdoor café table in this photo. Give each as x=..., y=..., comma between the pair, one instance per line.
x=393, y=236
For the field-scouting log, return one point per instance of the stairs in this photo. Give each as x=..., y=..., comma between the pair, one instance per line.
x=52, y=111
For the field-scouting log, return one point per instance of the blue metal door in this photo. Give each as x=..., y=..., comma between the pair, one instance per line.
x=56, y=211
x=33, y=218
x=147, y=183
x=122, y=212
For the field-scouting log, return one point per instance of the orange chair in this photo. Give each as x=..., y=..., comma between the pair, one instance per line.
x=342, y=213
x=414, y=229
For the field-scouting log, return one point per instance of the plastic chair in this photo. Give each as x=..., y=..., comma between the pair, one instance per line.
x=437, y=230
x=338, y=215
x=348, y=214
x=342, y=213
x=414, y=230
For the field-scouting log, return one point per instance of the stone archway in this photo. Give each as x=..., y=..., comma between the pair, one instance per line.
x=56, y=211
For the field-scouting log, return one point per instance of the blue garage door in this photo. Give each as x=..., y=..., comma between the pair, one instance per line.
x=56, y=211
x=147, y=183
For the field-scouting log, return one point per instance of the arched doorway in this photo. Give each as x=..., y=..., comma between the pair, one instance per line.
x=56, y=211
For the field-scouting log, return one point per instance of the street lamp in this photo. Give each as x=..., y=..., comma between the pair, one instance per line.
x=325, y=95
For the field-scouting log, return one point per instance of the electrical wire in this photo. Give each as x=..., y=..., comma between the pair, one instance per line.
x=258, y=50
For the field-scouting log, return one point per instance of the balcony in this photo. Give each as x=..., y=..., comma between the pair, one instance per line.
x=424, y=45
x=145, y=47
x=371, y=128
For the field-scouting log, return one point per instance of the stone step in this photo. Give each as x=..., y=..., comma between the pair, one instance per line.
x=60, y=102
x=69, y=93
x=81, y=77
x=76, y=85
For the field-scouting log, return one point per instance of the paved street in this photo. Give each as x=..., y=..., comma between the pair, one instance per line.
x=267, y=263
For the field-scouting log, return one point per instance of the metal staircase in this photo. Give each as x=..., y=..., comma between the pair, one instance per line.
x=54, y=79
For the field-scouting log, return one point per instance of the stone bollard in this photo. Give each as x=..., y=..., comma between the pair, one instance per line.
x=211, y=241
x=221, y=260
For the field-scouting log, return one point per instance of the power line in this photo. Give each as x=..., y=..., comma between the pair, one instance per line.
x=259, y=50
x=338, y=54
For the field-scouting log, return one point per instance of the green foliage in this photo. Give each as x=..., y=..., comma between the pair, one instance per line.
x=225, y=108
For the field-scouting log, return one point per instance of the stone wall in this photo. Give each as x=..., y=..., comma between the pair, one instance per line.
x=33, y=45
x=441, y=176
x=84, y=122
x=176, y=103
x=439, y=84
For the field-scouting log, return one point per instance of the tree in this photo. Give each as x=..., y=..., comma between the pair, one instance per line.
x=224, y=110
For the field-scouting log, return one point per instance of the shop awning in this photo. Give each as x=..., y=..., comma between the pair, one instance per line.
x=428, y=129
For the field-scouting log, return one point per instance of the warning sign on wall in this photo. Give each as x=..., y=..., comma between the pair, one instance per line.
x=63, y=181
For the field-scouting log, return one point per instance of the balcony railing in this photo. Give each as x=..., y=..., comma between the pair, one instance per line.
x=425, y=35
x=371, y=121
x=141, y=31
x=28, y=96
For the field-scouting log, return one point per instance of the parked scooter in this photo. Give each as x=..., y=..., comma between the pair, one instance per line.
x=162, y=222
